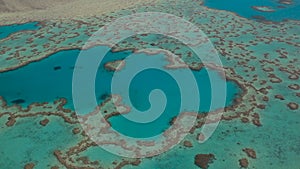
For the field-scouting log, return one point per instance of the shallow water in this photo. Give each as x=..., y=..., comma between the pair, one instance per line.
x=276, y=141
x=244, y=8
x=7, y=30
x=20, y=149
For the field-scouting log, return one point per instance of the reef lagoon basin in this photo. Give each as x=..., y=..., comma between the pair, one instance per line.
x=51, y=79
x=204, y=84
x=7, y=30
x=269, y=10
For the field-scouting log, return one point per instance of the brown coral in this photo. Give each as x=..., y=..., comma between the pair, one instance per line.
x=203, y=160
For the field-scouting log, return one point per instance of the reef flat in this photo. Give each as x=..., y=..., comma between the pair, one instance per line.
x=257, y=130
x=20, y=11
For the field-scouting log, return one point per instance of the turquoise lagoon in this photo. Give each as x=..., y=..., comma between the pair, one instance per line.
x=51, y=79
x=7, y=30
x=244, y=8
x=28, y=141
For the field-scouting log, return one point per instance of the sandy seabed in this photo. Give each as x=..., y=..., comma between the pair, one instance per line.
x=19, y=11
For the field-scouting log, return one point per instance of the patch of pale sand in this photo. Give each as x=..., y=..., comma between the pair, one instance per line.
x=27, y=5
x=19, y=11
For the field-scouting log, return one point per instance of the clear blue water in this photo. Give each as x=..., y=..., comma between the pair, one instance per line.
x=7, y=30
x=142, y=85
x=51, y=78
x=140, y=88
x=244, y=8
x=28, y=141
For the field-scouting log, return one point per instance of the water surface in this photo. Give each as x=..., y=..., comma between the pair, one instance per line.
x=7, y=30
x=244, y=8
x=51, y=79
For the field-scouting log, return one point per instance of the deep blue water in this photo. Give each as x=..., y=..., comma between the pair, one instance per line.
x=244, y=8
x=51, y=78
x=140, y=90
x=7, y=30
